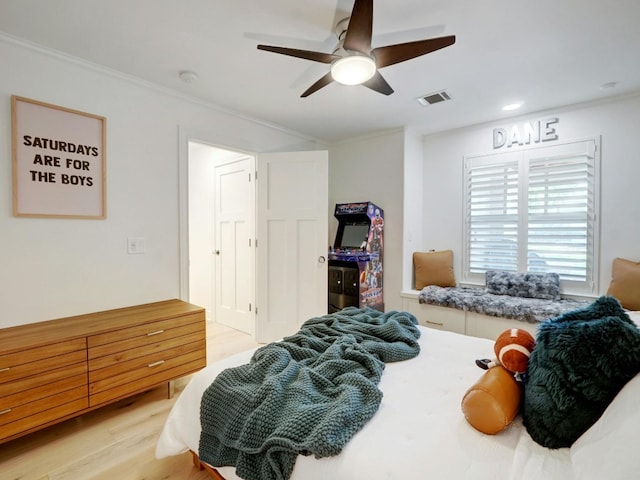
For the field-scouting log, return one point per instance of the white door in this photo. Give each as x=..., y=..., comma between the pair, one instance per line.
x=292, y=233
x=234, y=250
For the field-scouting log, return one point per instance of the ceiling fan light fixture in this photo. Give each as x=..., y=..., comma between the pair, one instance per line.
x=353, y=69
x=354, y=61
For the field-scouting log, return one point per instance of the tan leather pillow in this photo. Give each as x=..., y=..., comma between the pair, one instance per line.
x=492, y=403
x=625, y=283
x=434, y=268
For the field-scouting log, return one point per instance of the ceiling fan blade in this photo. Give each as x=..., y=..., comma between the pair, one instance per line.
x=392, y=54
x=391, y=38
x=379, y=84
x=360, y=27
x=323, y=82
x=304, y=54
x=307, y=44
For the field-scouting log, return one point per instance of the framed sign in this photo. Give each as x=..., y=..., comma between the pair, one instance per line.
x=59, y=161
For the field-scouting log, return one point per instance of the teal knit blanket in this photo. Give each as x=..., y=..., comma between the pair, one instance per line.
x=307, y=394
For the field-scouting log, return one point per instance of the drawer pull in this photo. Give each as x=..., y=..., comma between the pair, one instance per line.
x=157, y=332
x=5, y=411
x=5, y=369
x=155, y=364
x=438, y=324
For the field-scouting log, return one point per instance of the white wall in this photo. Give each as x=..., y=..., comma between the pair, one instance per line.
x=53, y=268
x=413, y=205
x=616, y=121
x=371, y=169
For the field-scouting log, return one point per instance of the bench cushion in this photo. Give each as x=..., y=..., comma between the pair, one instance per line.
x=532, y=310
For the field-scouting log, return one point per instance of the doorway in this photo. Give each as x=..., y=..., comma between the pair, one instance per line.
x=220, y=232
x=288, y=215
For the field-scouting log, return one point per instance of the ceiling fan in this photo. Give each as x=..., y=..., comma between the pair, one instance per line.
x=354, y=62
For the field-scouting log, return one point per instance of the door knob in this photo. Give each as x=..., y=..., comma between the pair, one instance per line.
x=217, y=252
x=321, y=259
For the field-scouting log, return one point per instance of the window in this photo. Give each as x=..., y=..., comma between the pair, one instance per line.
x=533, y=210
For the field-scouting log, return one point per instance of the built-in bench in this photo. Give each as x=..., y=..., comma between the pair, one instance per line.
x=509, y=300
x=473, y=299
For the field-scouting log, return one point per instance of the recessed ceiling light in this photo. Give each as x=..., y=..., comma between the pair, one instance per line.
x=511, y=106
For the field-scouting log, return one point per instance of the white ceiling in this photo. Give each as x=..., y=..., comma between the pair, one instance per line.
x=545, y=53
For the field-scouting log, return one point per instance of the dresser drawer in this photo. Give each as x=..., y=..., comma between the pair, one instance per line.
x=152, y=338
x=144, y=334
x=44, y=417
x=41, y=382
x=42, y=385
x=114, y=360
x=41, y=406
x=147, y=360
x=41, y=359
x=144, y=372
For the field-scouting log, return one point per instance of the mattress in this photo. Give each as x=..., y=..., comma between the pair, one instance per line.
x=420, y=432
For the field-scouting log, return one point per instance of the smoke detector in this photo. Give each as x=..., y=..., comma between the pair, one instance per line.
x=435, y=97
x=188, y=76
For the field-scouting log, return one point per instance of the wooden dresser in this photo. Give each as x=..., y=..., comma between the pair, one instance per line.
x=55, y=370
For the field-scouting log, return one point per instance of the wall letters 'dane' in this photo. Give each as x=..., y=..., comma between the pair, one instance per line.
x=530, y=132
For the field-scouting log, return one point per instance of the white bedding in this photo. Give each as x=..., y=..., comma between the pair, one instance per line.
x=420, y=432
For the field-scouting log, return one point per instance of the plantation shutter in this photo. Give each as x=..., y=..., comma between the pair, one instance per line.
x=561, y=211
x=533, y=210
x=492, y=214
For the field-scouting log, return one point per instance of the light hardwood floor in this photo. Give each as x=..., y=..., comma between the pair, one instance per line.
x=116, y=442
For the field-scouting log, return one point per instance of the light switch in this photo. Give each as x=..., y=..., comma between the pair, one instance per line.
x=135, y=245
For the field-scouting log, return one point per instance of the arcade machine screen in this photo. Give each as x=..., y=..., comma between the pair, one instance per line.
x=353, y=236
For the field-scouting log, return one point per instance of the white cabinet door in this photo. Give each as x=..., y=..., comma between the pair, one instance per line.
x=292, y=234
x=234, y=250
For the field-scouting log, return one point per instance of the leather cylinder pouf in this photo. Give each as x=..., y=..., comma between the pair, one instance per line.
x=492, y=403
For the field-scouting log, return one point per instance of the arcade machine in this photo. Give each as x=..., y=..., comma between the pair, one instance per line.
x=355, y=261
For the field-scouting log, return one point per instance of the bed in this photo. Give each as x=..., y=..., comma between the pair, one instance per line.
x=420, y=432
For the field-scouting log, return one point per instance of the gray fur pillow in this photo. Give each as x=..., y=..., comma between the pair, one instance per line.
x=530, y=285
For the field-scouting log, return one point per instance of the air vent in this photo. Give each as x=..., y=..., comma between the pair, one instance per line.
x=435, y=97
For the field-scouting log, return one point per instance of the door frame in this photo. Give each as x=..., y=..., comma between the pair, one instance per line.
x=185, y=136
